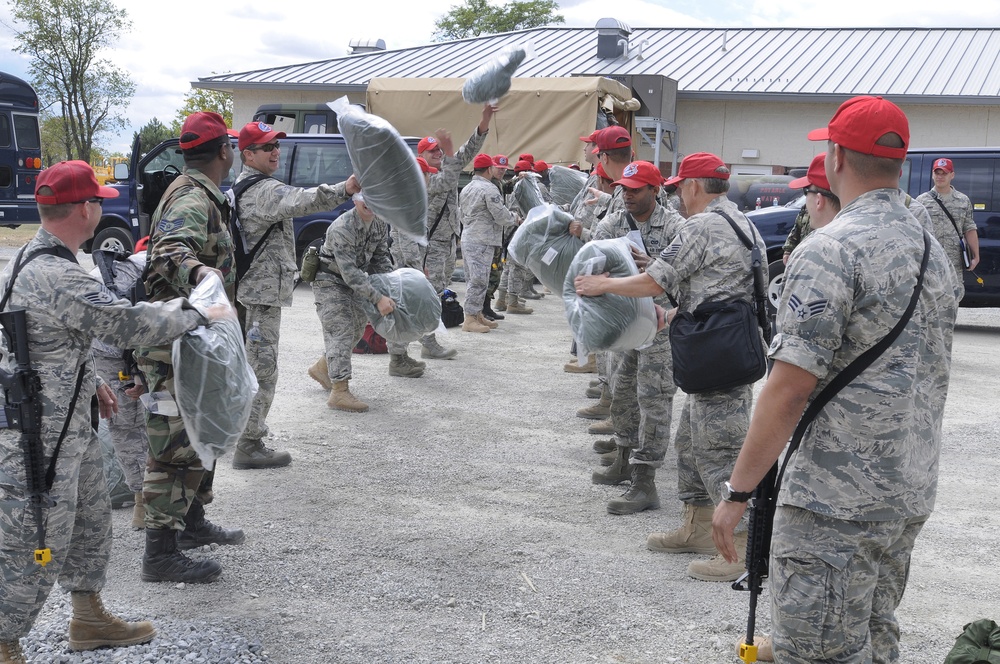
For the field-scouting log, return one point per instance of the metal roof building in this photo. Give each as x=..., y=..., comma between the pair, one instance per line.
x=747, y=94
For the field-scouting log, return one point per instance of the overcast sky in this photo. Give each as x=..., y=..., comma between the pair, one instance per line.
x=174, y=43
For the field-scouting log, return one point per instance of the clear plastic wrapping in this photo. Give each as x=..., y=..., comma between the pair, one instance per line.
x=565, y=184
x=607, y=322
x=213, y=382
x=527, y=193
x=390, y=177
x=418, y=306
x=491, y=81
x=542, y=244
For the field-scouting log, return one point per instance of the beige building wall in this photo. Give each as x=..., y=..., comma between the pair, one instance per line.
x=245, y=102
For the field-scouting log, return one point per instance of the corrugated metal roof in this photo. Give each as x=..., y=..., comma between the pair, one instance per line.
x=928, y=65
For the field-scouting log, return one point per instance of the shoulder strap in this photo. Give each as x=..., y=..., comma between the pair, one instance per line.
x=60, y=251
x=238, y=190
x=759, y=281
x=438, y=220
x=954, y=224
x=855, y=368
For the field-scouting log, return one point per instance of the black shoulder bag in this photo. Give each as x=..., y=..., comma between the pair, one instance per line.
x=717, y=346
x=966, y=254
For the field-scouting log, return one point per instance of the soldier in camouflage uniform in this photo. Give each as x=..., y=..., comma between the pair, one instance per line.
x=437, y=259
x=706, y=262
x=66, y=309
x=862, y=483
x=642, y=388
x=514, y=276
x=356, y=245
x=190, y=240
x=959, y=226
x=267, y=207
x=485, y=218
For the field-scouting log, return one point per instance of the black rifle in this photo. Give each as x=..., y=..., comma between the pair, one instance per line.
x=23, y=411
x=761, y=520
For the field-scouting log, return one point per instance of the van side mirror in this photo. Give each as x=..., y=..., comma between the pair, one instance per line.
x=121, y=172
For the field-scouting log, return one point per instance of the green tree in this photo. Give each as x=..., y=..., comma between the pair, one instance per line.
x=152, y=133
x=477, y=17
x=54, y=145
x=198, y=99
x=64, y=40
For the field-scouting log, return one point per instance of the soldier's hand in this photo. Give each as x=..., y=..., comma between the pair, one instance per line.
x=670, y=315
x=385, y=305
x=724, y=521
x=784, y=259
x=661, y=317
x=488, y=111
x=640, y=258
x=590, y=285
x=220, y=312
x=203, y=271
x=135, y=391
x=575, y=228
x=107, y=401
x=595, y=196
x=353, y=185
x=445, y=142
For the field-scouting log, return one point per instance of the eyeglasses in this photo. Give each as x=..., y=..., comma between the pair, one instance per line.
x=266, y=147
x=99, y=201
x=819, y=192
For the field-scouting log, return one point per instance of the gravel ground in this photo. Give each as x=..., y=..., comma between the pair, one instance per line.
x=456, y=522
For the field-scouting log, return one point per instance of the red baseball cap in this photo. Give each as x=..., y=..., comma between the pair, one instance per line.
x=861, y=121
x=592, y=138
x=601, y=173
x=202, y=127
x=142, y=244
x=527, y=156
x=522, y=165
x=541, y=166
x=700, y=165
x=258, y=133
x=500, y=160
x=815, y=176
x=943, y=164
x=482, y=161
x=611, y=138
x=425, y=167
x=427, y=143
x=638, y=174
x=70, y=182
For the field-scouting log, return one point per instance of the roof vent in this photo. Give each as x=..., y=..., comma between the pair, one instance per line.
x=612, y=38
x=366, y=45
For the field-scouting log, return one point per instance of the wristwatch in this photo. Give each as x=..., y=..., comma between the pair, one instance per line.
x=731, y=495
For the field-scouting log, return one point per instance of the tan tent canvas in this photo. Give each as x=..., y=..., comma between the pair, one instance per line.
x=543, y=116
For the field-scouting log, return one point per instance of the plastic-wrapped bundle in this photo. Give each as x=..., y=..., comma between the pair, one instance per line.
x=418, y=306
x=390, y=177
x=565, y=184
x=607, y=322
x=491, y=81
x=527, y=195
x=543, y=245
x=213, y=383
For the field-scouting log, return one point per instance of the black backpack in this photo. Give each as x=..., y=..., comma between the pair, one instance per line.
x=244, y=257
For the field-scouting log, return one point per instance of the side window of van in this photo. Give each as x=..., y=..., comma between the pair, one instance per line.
x=974, y=178
x=318, y=164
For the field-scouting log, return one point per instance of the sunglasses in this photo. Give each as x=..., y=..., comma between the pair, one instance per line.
x=818, y=192
x=99, y=201
x=267, y=147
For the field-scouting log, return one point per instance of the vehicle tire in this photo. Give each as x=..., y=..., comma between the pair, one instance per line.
x=309, y=239
x=776, y=281
x=113, y=238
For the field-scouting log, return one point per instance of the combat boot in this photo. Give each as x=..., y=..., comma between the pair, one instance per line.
x=429, y=347
x=618, y=472
x=718, y=568
x=605, y=446
x=93, y=627
x=529, y=292
x=765, y=651
x=594, y=392
x=590, y=366
x=163, y=562
x=342, y=399
x=255, y=454
x=472, y=324
x=199, y=531
x=515, y=306
x=11, y=653
x=640, y=496
x=138, y=512
x=488, y=323
x=599, y=411
x=602, y=428
x=398, y=366
x=319, y=373
x=501, y=300
x=488, y=312
x=695, y=536
x=607, y=459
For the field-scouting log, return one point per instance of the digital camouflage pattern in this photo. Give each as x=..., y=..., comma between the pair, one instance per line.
x=484, y=214
x=67, y=310
x=190, y=229
x=586, y=214
x=961, y=209
x=268, y=283
x=351, y=251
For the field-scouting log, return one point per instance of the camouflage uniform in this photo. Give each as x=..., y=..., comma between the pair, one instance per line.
x=860, y=487
x=485, y=217
x=587, y=215
x=267, y=285
x=642, y=386
x=190, y=230
x=799, y=231
x=706, y=262
x=128, y=426
x=351, y=251
x=67, y=309
x=961, y=209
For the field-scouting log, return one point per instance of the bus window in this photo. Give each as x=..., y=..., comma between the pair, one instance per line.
x=4, y=132
x=26, y=132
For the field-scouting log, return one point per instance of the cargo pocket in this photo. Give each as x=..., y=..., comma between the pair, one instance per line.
x=809, y=604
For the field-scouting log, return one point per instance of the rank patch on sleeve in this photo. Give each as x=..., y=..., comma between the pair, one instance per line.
x=169, y=225
x=805, y=310
x=670, y=252
x=101, y=298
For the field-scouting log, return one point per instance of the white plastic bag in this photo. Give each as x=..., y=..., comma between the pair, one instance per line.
x=213, y=382
x=418, y=306
x=491, y=81
x=543, y=245
x=565, y=184
x=390, y=176
x=607, y=322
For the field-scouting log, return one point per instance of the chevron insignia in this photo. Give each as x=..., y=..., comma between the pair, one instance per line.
x=805, y=310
